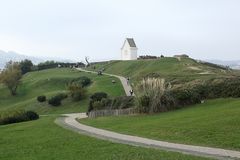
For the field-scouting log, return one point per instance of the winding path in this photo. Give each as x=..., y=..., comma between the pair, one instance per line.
x=69, y=121
x=123, y=80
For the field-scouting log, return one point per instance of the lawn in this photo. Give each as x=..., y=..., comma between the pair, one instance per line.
x=50, y=82
x=215, y=123
x=42, y=139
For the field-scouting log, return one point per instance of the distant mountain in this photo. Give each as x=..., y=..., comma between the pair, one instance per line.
x=13, y=56
x=232, y=64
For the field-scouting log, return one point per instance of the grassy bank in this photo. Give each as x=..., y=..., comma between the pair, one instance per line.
x=215, y=123
x=50, y=82
x=42, y=139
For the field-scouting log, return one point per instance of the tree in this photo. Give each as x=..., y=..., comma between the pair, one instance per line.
x=26, y=66
x=11, y=76
x=87, y=60
x=77, y=91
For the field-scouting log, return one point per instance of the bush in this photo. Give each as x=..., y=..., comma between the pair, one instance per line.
x=32, y=115
x=152, y=91
x=143, y=104
x=78, y=95
x=156, y=97
x=17, y=116
x=77, y=92
x=122, y=102
x=187, y=97
x=56, y=100
x=98, y=105
x=83, y=81
x=41, y=98
x=98, y=96
x=100, y=101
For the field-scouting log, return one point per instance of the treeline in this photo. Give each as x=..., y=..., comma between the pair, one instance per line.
x=53, y=64
x=27, y=65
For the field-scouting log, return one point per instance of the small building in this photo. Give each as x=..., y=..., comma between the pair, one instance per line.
x=129, y=50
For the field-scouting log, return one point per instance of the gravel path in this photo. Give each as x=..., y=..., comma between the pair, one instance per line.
x=69, y=121
x=123, y=80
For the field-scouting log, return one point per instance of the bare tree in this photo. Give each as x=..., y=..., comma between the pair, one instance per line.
x=87, y=60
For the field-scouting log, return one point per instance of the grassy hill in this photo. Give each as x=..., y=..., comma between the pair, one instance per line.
x=212, y=124
x=50, y=82
x=43, y=139
x=172, y=69
x=215, y=123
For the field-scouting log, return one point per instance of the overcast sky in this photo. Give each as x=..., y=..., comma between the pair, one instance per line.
x=73, y=29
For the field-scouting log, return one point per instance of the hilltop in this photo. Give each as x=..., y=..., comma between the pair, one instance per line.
x=175, y=70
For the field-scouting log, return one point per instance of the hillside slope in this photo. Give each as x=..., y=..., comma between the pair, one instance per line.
x=214, y=123
x=50, y=82
x=172, y=69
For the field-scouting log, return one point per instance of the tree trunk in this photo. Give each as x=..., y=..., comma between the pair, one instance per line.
x=13, y=91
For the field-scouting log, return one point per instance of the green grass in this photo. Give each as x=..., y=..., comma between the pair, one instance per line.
x=42, y=139
x=170, y=68
x=215, y=123
x=50, y=82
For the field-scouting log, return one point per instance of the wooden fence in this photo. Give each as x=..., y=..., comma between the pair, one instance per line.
x=115, y=112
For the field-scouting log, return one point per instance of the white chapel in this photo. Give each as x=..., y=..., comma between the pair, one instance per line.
x=129, y=50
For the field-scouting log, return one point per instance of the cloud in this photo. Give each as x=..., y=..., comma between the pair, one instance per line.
x=97, y=28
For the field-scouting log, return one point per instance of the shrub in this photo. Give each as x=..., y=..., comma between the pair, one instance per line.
x=168, y=101
x=186, y=97
x=56, y=100
x=97, y=105
x=77, y=92
x=84, y=81
x=215, y=88
x=152, y=91
x=41, y=98
x=121, y=102
x=154, y=96
x=143, y=104
x=98, y=96
x=100, y=101
x=17, y=116
x=32, y=115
